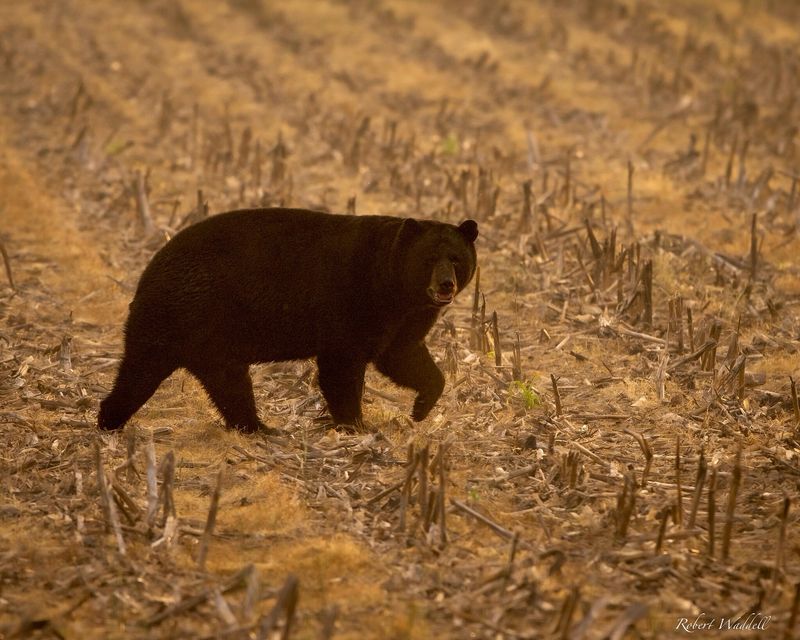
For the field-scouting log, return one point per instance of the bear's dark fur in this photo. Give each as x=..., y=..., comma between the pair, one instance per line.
x=266, y=285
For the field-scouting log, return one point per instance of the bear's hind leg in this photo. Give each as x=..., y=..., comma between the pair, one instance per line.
x=230, y=388
x=136, y=381
x=342, y=383
x=412, y=366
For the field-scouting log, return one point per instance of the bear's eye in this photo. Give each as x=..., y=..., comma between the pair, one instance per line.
x=455, y=260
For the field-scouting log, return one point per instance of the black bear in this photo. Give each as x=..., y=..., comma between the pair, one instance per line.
x=267, y=285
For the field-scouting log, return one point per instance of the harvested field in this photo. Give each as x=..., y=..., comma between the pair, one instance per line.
x=617, y=452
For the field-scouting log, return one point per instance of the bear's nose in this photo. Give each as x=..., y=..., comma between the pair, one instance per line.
x=447, y=286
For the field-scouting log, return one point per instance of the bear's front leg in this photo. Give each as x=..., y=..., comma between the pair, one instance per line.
x=341, y=379
x=411, y=365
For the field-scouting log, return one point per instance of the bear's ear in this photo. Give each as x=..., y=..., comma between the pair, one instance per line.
x=469, y=229
x=409, y=228
x=408, y=231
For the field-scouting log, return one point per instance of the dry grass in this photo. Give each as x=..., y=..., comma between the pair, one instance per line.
x=445, y=110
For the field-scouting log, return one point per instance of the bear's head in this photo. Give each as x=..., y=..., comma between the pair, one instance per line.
x=437, y=260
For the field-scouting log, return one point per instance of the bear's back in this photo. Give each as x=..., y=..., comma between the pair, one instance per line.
x=236, y=278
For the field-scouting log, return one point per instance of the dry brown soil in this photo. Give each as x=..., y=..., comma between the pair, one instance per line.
x=590, y=526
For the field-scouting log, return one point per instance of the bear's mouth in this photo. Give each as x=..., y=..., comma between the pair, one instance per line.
x=440, y=299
